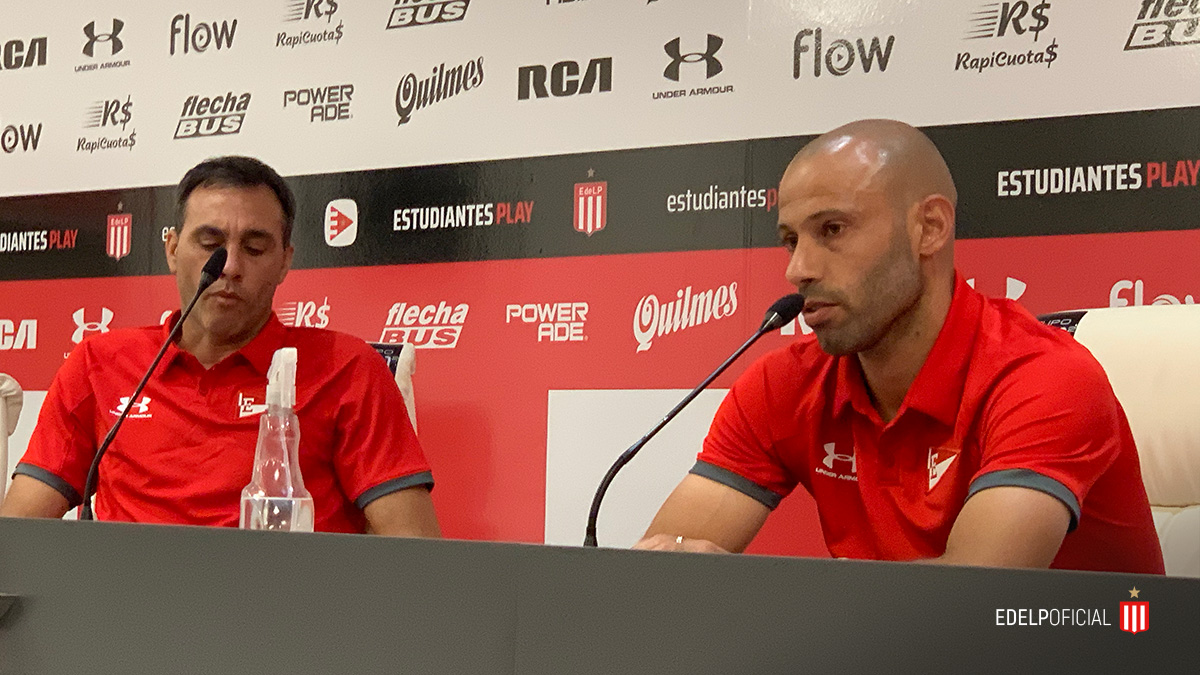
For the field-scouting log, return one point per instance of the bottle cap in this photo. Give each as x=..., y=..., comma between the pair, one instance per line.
x=281, y=378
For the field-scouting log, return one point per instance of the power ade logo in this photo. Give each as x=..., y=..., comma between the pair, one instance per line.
x=406, y=13
x=324, y=104
x=839, y=58
x=1117, y=297
x=997, y=20
x=462, y=215
x=653, y=318
x=425, y=327
x=564, y=79
x=1098, y=178
x=304, y=314
x=219, y=116
x=1165, y=23
x=413, y=95
x=37, y=241
x=18, y=334
x=106, y=42
x=14, y=55
x=341, y=222
x=314, y=11
x=556, y=322
x=108, y=114
x=712, y=68
x=14, y=137
x=200, y=37
x=717, y=199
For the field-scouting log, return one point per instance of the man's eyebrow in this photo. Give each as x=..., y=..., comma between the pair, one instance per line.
x=206, y=230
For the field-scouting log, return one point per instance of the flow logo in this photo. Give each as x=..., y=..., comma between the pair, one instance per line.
x=839, y=57
x=16, y=137
x=341, y=222
x=200, y=37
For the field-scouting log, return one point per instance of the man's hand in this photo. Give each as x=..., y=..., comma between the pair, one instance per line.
x=710, y=518
x=29, y=497
x=666, y=542
x=404, y=513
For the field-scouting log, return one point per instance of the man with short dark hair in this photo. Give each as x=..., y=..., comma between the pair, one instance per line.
x=928, y=422
x=186, y=449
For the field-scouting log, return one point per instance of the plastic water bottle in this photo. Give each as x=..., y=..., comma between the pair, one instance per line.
x=276, y=498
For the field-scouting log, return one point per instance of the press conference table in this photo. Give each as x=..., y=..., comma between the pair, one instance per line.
x=117, y=598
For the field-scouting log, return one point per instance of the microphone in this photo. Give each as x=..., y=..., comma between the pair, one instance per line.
x=208, y=275
x=781, y=312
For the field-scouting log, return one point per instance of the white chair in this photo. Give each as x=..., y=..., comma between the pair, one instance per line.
x=11, y=400
x=1152, y=357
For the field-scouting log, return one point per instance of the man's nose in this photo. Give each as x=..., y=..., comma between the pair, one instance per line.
x=233, y=263
x=804, y=266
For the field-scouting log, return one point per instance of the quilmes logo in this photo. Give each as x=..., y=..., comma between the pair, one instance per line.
x=1165, y=23
x=83, y=327
x=218, y=116
x=14, y=55
x=406, y=13
x=678, y=59
x=425, y=326
x=189, y=38
x=324, y=104
x=461, y=215
x=566, y=78
x=341, y=222
x=653, y=318
x=304, y=314
x=20, y=137
x=139, y=409
x=1008, y=21
x=555, y=321
x=312, y=11
x=1117, y=295
x=443, y=83
x=840, y=55
x=17, y=334
x=106, y=115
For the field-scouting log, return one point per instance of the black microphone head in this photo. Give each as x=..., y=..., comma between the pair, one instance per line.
x=784, y=310
x=213, y=268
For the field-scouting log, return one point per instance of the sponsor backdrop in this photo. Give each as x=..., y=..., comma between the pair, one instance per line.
x=569, y=206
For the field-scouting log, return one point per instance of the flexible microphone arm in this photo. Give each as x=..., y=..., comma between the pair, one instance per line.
x=784, y=310
x=210, y=273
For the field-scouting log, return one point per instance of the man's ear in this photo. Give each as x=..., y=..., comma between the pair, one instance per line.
x=169, y=246
x=935, y=218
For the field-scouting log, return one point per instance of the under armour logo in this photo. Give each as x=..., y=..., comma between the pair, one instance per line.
x=1013, y=288
x=106, y=317
x=139, y=407
x=709, y=57
x=831, y=455
x=116, y=44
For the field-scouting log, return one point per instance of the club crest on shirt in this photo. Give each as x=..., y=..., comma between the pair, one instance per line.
x=939, y=463
x=251, y=405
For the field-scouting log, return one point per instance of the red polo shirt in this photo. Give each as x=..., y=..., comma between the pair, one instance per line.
x=1000, y=400
x=186, y=448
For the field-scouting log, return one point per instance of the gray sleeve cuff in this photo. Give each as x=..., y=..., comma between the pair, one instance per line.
x=394, y=485
x=64, y=488
x=743, y=485
x=1033, y=480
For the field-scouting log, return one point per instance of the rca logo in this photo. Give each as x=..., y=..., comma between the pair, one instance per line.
x=556, y=322
x=341, y=222
x=82, y=327
x=1117, y=297
x=18, y=335
x=425, y=327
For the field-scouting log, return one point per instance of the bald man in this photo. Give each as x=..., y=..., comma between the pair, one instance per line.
x=928, y=422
